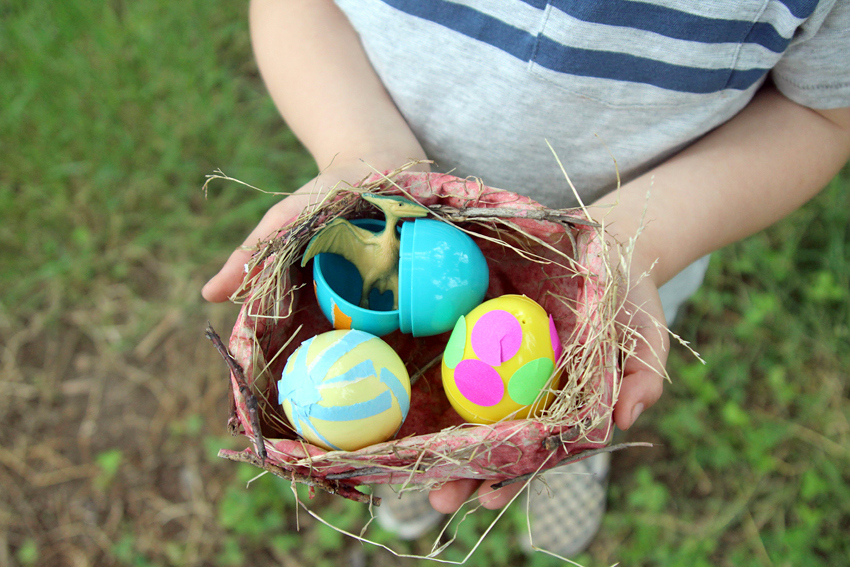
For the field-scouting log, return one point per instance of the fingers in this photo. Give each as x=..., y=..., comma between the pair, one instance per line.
x=225, y=283
x=643, y=376
x=643, y=370
x=451, y=496
x=638, y=391
x=495, y=499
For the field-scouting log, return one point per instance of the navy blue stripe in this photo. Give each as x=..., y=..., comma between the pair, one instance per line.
x=801, y=8
x=539, y=4
x=672, y=23
x=471, y=23
x=605, y=64
x=766, y=35
x=624, y=67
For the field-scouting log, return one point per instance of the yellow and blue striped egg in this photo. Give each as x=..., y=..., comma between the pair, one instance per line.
x=499, y=359
x=345, y=390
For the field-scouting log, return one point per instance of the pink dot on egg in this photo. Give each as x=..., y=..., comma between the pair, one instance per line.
x=479, y=383
x=496, y=337
x=556, y=340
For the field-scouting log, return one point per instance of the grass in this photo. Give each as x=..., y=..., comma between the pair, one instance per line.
x=114, y=113
x=756, y=442
x=113, y=405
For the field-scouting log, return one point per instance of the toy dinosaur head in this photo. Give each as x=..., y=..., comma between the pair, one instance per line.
x=398, y=207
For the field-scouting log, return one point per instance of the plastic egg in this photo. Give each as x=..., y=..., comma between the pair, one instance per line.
x=442, y=275
x=499, y=358
x=345, y=390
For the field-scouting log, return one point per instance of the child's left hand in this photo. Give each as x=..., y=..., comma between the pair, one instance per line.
x=641, y=387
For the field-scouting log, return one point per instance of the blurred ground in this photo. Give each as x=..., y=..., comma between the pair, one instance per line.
x=99, y=444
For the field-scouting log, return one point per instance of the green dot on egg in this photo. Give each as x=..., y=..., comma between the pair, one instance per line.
x=526, y=382
x=457, y=341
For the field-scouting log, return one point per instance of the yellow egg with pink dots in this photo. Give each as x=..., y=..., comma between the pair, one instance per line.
x=500, y=360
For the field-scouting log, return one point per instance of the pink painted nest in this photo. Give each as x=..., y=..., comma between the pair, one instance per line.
x=556, y=258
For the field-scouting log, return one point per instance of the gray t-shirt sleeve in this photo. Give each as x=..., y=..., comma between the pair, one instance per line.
x=815, y=70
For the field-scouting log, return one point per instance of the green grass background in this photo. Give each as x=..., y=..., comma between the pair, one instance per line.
x=113, y=112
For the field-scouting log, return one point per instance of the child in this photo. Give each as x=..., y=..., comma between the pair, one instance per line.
x=723, y=118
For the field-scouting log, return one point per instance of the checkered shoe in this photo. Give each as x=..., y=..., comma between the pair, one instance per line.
x=408, y=517
x=566, y=516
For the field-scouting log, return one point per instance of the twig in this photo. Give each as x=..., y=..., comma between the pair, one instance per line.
x=367, y=471
x=244, y=389
x=419, y=373
x=556, y=215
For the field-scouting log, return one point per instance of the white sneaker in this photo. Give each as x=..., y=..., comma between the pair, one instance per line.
x=408, y=517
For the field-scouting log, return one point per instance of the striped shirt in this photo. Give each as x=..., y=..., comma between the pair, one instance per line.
x=485, y=84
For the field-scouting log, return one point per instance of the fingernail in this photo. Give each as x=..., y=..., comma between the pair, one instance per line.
x=636, y=411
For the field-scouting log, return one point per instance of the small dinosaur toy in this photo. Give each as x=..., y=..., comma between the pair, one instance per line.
x=375, y=255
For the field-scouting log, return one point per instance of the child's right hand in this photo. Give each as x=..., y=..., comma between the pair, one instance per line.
x=225, y=283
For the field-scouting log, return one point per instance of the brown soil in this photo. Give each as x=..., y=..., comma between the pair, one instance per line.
x=107, y=413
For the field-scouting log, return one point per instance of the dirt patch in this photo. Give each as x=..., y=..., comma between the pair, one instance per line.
x=106, y=413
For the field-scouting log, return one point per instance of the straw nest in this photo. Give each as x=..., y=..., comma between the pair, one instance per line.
x=556, y=257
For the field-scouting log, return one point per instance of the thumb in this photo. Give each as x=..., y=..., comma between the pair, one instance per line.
x=228, y=279
x=641, y=318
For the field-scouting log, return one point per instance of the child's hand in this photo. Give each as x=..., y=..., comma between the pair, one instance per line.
x=229, y=278
x=642, y=383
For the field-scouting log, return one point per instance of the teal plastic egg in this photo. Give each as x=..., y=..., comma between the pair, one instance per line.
x=442, y=275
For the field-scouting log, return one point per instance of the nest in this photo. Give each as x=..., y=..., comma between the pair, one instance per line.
x=556, y=257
